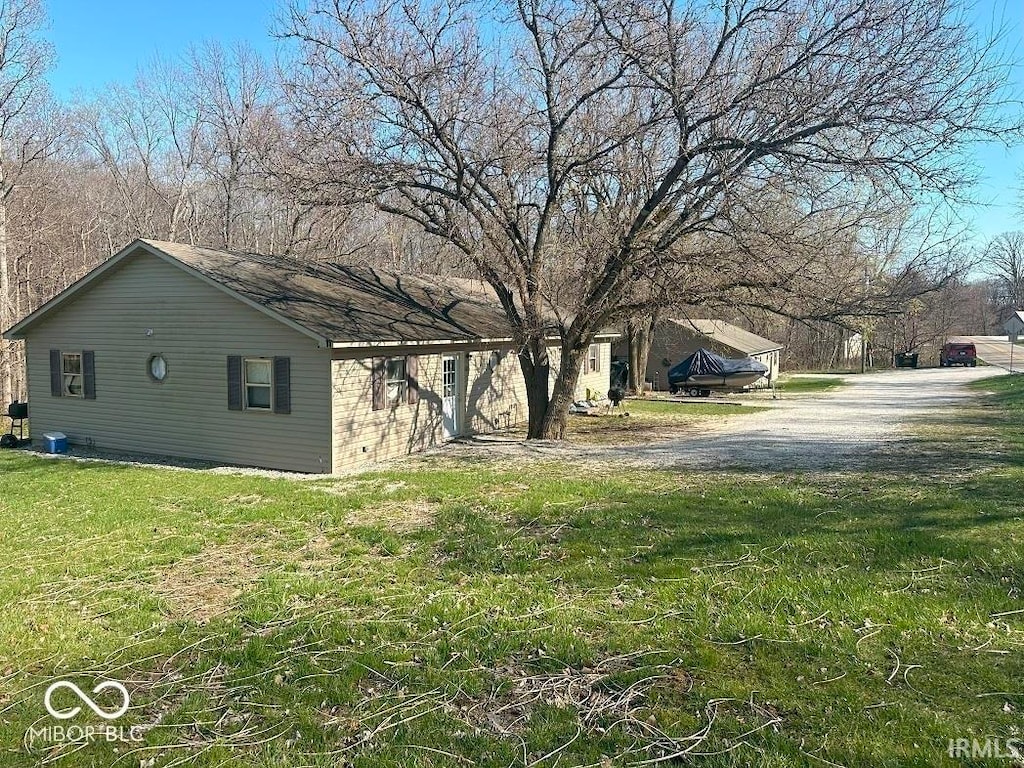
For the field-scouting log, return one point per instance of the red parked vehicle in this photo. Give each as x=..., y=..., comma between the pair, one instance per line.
x=955, y=353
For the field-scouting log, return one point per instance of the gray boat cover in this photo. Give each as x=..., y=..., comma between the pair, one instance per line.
x=704, y=362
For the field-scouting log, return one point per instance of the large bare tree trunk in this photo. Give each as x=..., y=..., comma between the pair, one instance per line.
x=639, y=337
x=563, y=391
x=536, y=372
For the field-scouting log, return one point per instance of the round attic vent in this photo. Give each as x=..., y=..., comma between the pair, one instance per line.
x=157, y=368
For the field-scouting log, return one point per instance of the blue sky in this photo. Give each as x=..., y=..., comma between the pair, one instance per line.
x=99, y=42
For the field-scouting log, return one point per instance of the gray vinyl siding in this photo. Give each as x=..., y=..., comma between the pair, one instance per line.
x=195, y=327
x=493, y=398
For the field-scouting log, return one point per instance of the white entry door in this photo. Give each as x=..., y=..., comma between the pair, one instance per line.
x=450, y=388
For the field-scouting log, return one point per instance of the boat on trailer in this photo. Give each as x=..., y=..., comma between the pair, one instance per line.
x=704, y=372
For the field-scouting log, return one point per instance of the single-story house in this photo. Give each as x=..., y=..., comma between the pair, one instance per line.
x=176, y=350
x=674, y=340
x=1014, y=326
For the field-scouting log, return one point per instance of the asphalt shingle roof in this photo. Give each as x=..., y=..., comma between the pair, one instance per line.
x=345, y=303
x=730, y=335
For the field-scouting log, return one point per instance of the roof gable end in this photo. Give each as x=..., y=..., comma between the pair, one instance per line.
x=152, y=248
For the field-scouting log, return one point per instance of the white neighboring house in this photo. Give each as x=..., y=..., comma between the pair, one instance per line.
x=1014, y=327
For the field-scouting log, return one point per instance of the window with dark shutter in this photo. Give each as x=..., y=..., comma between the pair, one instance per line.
x=377, y=384
x=56, y=374
x=412, y=374
x=282, y=385
x=234, y=382
x=89, y=375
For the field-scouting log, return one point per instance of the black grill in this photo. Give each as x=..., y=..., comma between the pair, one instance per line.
x=17, y=413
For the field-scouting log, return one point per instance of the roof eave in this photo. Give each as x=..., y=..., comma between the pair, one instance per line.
x=604, y=336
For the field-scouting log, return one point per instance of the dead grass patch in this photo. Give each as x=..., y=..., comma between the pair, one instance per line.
x=592, y=692
x=621, y=693
x=201, y=587
x=245, y=499
x=316, y=554
x=632, y=430
x=399, y=516
x=375, y=484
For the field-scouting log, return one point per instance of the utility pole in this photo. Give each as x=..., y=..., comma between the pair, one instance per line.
x=863, y=327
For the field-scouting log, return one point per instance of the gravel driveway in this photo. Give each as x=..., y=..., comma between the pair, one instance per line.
x=837, y=430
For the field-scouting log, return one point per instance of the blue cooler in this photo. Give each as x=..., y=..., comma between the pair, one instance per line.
x=56, y=442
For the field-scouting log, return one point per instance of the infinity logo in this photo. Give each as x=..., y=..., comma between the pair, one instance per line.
x=68, y=714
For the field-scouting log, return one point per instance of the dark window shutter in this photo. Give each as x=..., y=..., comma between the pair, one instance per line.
x=412, y=375
x=234, y=383
x=89, y=375
x=282, y=385
x=56, y=375
x=379, y=397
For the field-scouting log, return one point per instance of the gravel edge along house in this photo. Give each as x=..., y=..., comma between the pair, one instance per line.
x=176, y=350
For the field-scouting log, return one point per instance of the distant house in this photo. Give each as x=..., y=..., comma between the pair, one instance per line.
x=175, y=350
x=1014, y=326
x=674, y=340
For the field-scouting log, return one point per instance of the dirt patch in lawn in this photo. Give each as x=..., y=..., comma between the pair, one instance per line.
x=637, y=429
x=201, y=587
x=399, y=516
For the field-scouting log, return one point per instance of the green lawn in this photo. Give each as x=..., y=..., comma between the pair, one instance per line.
x=489, y=616
x=808, y=384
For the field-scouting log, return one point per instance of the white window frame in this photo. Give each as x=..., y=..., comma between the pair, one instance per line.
x=269, y=386
x=396, y=388
x=69, y=379
x=594, y=358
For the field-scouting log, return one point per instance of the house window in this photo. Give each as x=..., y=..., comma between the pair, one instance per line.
x=71, y=371
x=73, y=374
x=396, y=380
x=258, y=377
x=594, y=358
x=251, y=380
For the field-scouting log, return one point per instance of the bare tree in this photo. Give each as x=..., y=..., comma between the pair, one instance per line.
x=233, y=93
x=1004, y=261
x=27, y=135
x=577, y=152
x=148, y=138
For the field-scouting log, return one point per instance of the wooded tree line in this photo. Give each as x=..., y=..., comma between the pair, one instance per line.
x=597, y=162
